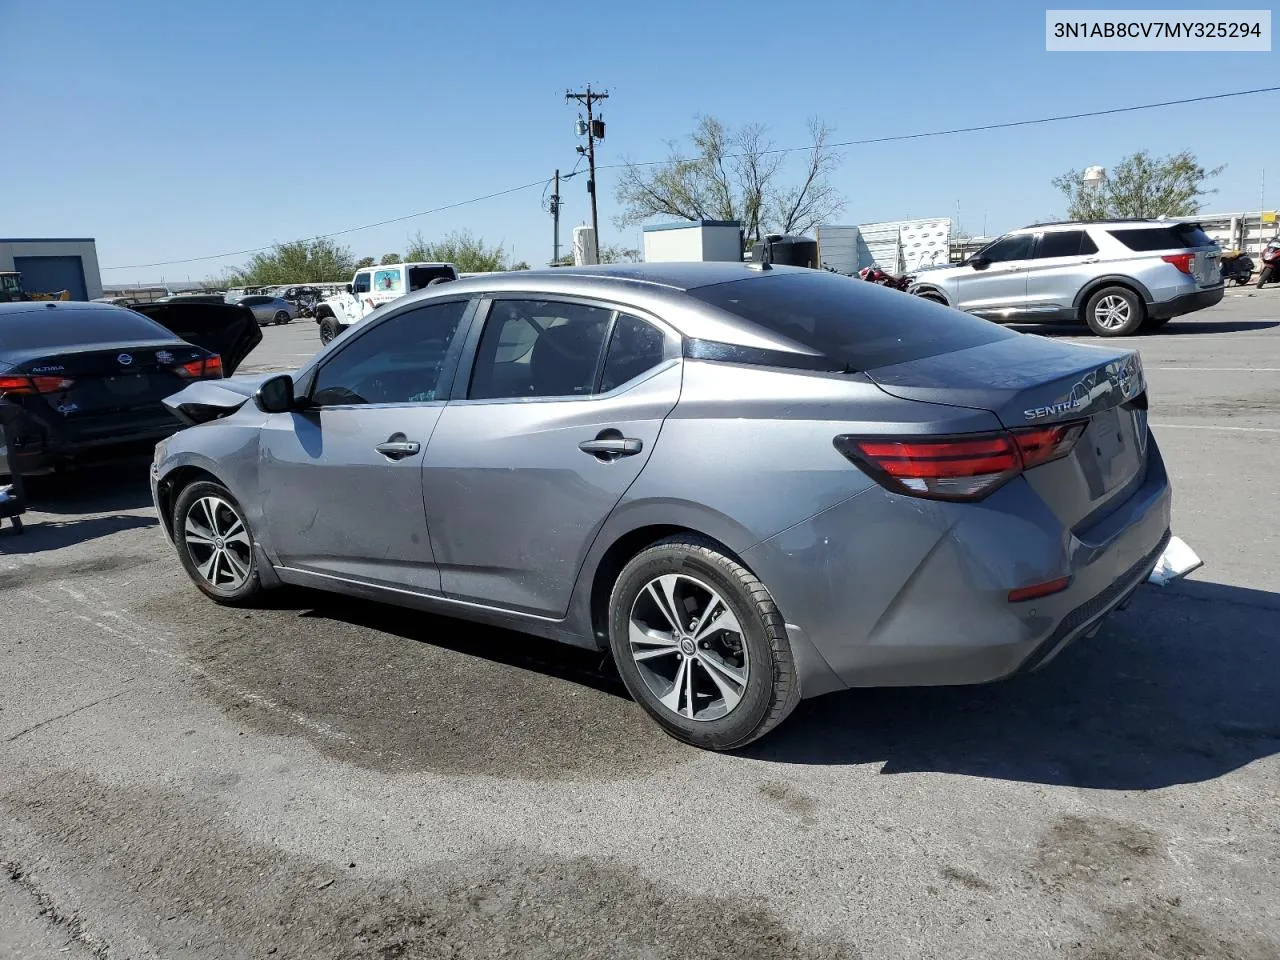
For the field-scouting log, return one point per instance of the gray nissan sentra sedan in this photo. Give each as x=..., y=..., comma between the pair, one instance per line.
x=749, y=485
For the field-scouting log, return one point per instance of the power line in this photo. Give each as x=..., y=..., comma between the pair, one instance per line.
x=335, y=233
x=652, y=163
x=986, y=126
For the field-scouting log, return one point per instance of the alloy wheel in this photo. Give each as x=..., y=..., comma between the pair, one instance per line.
x=688, y=647
x=1112, y=312
x=218, y=542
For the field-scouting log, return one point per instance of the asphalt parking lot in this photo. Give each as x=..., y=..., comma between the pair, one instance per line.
x=329, y=778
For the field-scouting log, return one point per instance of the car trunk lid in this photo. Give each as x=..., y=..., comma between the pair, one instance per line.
x=227, y=329
x=1031, y=381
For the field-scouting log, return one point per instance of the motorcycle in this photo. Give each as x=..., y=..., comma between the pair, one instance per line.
x=1270, y=262
x=1237, y=267
x=876, y=275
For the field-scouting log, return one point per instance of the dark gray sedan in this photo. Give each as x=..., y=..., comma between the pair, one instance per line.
x=749, y=485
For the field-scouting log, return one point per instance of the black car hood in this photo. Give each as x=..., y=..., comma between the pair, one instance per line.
x=227, y=329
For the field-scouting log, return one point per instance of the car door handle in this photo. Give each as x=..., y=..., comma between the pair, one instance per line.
x=610, y=448
x=397, y=447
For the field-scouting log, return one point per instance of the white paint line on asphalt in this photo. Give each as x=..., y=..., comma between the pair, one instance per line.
x=1209, y=426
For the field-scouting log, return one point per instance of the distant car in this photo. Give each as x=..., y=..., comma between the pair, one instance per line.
x=374, y=287
x=270, y=309
x=750, y=486
x=89, y=378
x=1117, y=275
x=192, y=298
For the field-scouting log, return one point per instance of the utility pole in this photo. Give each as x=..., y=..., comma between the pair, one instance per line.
x=594, y=131
x=555, y=219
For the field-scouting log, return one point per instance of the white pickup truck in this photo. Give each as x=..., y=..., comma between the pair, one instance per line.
x=371, y=287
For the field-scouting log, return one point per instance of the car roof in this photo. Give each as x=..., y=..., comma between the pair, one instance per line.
x=79, y=306
x=659, y=289
x=1127, y=222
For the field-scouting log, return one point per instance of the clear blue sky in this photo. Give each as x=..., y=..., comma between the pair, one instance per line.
x=177, y=129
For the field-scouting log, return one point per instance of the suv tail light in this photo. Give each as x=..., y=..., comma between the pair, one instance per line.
x=23, y=384
x=210, y=368
x=965, y=467
x=1180, y=260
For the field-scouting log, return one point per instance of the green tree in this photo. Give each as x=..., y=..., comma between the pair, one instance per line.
x=390, y=258
x=300, y=261
x=1140, y=185
x=735, y=175
x=469, y=254
x=364, y=262
x=609, y=253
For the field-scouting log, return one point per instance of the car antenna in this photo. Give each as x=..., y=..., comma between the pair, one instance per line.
x=766, y=254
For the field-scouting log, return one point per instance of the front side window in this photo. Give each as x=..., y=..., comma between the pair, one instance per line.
x=400, y=360
x=536, y=348
x=1014, y=247
x=361, y=283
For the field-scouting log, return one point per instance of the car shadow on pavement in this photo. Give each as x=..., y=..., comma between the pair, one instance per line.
x=41, y=535
x=1182, y=687
x=123, y=485
x=593, y=669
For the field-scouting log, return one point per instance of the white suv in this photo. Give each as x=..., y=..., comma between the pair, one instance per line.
x=372, y=287
x=1115, y=275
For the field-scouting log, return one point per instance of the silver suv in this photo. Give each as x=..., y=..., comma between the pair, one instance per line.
x=1115, y=275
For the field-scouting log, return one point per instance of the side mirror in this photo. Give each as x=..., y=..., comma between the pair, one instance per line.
x=276, y=395
x=979, y=263
x=349, y=290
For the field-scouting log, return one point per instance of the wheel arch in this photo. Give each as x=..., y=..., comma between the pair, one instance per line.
x=1111, y=280
x=176, y=480
x=930, y=292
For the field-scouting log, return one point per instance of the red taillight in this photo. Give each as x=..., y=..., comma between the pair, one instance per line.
x=965, y=467
x=1181, y=260
x=208, y=368
x=1037, y=445
x=14, y=385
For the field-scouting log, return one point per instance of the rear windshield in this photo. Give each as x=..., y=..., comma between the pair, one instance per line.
x=850, y=321
x=419, y=277
x=60, y=328
x=1174, y=237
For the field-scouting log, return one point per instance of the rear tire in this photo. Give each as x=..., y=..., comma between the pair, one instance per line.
x=281, y=317
x=932, y=298
x=215, y=544
x=329, y=329
x=719, y=687
x=1114, y=312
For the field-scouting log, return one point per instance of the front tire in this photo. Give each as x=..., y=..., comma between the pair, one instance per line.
x=328, y=329
x=701, y=645
x=1114, y=312
x=215, y=544
x=1264, y=275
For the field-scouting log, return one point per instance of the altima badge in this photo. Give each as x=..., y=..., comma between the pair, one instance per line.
x=124, y=359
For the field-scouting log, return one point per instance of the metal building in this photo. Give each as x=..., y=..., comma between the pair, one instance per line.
x=51, y=264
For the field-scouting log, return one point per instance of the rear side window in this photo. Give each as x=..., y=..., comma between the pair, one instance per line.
x=1173, y=237
x=1063, y=243
x=58, y=328
x=634, y=348
x=536, y=348
x=855, y=324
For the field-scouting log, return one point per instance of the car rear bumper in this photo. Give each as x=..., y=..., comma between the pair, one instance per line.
x=40, y=450
x=1186, y=303
x=888, y=591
